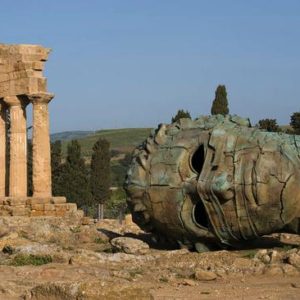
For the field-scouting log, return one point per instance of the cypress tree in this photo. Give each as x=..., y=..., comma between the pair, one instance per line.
x=100, y=174
x=220, y=103
x=181, y=114
x=295, y=122
x=56, y=167
x=74, y=179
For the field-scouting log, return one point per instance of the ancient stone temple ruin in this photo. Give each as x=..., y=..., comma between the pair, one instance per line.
x=22, y=84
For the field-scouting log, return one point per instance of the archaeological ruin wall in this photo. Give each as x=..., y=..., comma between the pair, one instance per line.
x=21, y=84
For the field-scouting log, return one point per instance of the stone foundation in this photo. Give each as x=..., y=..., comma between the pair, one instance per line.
x=36, y=207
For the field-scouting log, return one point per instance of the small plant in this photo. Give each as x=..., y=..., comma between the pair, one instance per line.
x=68, y=248
x=287, y=247
x=75, y=229
x=163, y=279
x=135, y=272
x=249, y=254
x=23, y=234
x=98, y=240
x=31, y=259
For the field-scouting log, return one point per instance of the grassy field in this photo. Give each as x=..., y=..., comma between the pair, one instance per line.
x=122, y=140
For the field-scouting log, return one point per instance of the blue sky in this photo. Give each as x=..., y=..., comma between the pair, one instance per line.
x=135, y=63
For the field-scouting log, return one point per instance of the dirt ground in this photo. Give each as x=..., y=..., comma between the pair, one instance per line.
x=85, y=265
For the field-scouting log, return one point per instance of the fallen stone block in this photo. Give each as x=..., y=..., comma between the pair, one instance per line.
x=129, y=245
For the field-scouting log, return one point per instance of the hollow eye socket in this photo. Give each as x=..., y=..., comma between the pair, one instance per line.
x=197, y=160
x=199, y=214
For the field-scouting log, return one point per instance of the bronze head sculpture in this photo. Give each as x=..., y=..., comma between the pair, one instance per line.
x=215, y=179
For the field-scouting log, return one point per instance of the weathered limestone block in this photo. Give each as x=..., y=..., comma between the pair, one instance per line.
x=35, y=200
x=20, y=69
x=215, y=179
x=71, y=207
x=4, y=212
x=20, y=210
x=60, y=213
x=129, y=245
x=58, y=200
x=37, y=207
x=60, y=207
x=37, y=213
x=14, y=201
x=49, y=207
x=49, y=213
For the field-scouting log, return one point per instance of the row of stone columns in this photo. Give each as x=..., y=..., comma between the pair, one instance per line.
x=41, y=161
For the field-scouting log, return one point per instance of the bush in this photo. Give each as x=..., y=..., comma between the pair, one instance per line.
x=181, y=114
x=30, y=259
x=269, y=125
x=116, y=204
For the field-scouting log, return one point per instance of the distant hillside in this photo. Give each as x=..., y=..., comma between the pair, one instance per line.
x=122, y=140
x=69, y=135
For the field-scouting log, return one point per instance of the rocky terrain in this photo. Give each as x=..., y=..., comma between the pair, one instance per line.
x=77, y=258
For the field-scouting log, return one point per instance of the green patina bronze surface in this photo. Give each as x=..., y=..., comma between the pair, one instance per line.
x=215, y=179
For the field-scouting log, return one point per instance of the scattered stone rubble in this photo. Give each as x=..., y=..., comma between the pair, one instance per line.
x=90, y=260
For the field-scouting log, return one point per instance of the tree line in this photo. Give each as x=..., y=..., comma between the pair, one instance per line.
x=87, y=185
x=220, y=106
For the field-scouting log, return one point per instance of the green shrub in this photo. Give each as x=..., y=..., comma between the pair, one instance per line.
x=98, y=240
x=30, y=259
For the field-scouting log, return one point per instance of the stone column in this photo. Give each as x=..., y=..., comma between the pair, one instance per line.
x=2, y=147
x=41, y=155
x=18, y=146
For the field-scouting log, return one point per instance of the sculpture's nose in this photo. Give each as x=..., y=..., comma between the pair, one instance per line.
x=218, y=185
x=222, y=187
